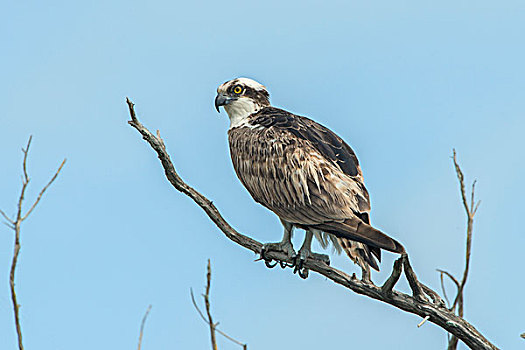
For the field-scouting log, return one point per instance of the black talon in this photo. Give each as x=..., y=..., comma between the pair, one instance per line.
x=285, y=264
x=268, y=263
x=298, y=263
x=304, y=273
x=263, y=255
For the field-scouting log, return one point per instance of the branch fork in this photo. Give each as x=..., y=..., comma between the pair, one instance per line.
x=15, y=225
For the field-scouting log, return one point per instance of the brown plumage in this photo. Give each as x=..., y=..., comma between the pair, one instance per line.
x=304, y=173
x=309, y=177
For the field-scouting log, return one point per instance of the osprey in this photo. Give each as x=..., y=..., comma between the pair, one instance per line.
x=304, y=173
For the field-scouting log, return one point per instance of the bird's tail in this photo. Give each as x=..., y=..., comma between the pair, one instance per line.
x=360, y=254
x=355, y=229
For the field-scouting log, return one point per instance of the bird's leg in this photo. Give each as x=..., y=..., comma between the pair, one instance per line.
x=285, y=245
x=306, y=252
x=365, y=273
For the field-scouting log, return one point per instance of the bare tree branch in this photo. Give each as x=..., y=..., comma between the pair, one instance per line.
x=445, y=273
x=416, y=304
x=443, y=289
x=16, y=226
x=197, y=307
x=470, y=220
x=142, y=326
x=208, y=311
x=209, y=320
x=394, y=277
x=450, y=276
x=7, y=218
x=44, y=190
x=470, y=210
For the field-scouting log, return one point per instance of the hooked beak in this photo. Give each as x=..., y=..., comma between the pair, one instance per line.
x=222, y=100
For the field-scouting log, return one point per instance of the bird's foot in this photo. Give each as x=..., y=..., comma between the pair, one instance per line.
x=300, y=259
x=283, y=247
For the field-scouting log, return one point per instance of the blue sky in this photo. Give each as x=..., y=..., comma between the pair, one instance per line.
x=402, y=83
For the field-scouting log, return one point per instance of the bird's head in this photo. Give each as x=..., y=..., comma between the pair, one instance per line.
x=241, y=97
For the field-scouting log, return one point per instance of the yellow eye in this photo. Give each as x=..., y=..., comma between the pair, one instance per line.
x=237, y=89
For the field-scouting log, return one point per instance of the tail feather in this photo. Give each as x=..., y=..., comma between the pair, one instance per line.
x=359, y=253
x=365, y=216
x=356, y=230
x=376, y=251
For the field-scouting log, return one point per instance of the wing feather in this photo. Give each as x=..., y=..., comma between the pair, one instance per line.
x=307, y=175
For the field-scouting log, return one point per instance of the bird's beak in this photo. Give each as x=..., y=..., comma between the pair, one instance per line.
x=222, y=100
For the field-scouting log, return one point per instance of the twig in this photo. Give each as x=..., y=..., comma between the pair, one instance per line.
x=439, y=315
x=197, y=307
x=449, y=275
x=423, y=322
x=443, y=289
x=470, y=210
x=441, y=274
x=44, y=190
x=208, y=311
x=142, y=326
x=7, y=217
x=207, y=321
x=16, y=226
x=470, y=220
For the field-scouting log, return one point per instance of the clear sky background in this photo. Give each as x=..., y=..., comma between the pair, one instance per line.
x=403, y=83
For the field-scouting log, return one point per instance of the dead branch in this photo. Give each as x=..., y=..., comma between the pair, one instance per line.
x=15, y=224
x=209, y=319
x=416, y=303
x=445, y=273
x=470, y=210
x=394, y=277
x=208, y=311
x=142, y=326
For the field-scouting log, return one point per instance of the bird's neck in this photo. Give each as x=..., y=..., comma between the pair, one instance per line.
x=240, y=110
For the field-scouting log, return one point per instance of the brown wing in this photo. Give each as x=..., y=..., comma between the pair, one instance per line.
x=294, y=167
x=324, y=140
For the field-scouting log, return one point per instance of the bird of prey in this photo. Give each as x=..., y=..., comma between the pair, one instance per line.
x=304, y=173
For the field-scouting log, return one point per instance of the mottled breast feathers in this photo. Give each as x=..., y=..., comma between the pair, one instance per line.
x=297, y=168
